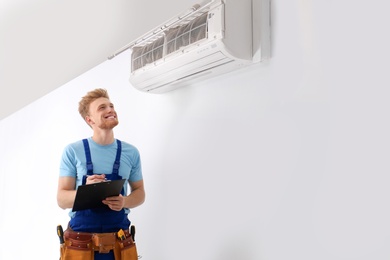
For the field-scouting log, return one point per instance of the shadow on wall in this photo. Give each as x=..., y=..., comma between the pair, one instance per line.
x=241, y=245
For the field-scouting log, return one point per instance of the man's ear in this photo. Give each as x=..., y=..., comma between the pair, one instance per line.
x=88, y=120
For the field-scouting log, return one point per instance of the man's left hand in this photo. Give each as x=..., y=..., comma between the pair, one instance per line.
x=115, y=203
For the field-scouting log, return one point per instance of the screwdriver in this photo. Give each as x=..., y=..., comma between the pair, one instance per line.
x=60, y=233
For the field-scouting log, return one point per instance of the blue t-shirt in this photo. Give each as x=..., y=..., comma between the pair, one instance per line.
x=73, y=162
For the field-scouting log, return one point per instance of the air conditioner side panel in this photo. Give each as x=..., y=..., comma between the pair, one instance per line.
x=238, y=28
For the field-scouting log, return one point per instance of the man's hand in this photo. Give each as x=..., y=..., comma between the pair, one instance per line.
x=115, y=203
x=91, y=179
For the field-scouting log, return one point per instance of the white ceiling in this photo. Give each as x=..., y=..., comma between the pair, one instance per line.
x=45, y=43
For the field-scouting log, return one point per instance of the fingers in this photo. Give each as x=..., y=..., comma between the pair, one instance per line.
x=96, y=178
x=115, y=203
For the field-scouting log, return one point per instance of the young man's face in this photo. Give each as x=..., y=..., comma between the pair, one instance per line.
x=102, y=114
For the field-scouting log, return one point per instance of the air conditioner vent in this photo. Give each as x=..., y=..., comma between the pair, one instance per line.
x=144, y=55
x=187, y=34
x=169, y=42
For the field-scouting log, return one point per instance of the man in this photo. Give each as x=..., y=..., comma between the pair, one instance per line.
x=92, y=160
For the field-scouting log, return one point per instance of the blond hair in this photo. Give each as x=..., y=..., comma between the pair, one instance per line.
x=89, y=98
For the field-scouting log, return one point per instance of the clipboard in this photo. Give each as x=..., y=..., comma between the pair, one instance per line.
x=90, y=196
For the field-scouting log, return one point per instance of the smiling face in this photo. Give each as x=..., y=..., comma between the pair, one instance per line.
x=102, y=114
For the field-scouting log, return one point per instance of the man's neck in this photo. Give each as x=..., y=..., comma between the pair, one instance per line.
x=103, y=137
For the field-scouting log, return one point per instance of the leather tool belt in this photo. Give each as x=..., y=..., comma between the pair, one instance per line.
x=83, y=244
x=102, y=242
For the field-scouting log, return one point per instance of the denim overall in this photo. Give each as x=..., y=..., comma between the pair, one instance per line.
x=101, y=220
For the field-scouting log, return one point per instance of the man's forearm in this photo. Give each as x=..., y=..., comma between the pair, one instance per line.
x=65, y=198
x=136, y=198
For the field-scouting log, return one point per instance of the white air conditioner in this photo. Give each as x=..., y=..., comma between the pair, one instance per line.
x=210, y=39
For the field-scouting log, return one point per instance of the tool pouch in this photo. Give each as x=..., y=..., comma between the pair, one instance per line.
x=126, y=249
x=76, y=246
x=104, y=243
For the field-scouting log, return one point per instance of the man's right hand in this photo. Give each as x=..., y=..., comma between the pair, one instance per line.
x=96, y=178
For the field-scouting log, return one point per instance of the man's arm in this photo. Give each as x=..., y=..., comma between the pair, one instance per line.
x=66, y=192
x=137, y=195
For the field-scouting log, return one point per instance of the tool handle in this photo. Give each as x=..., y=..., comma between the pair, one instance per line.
x=132, y=232
x=60, y=233
x=121, y=234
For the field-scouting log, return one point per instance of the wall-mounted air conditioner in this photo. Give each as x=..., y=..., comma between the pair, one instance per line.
x=211, y=38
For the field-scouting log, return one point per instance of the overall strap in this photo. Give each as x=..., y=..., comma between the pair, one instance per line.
x=88, y=157
x=115, y=169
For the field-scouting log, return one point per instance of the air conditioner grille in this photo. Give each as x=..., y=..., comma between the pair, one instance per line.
x=172, y=40
x=186, y=34
x=142, y=56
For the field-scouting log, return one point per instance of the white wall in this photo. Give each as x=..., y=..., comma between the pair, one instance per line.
x=287, y=160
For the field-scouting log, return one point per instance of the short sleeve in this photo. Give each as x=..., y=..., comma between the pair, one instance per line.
x=68, y=163
x=136, y=169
